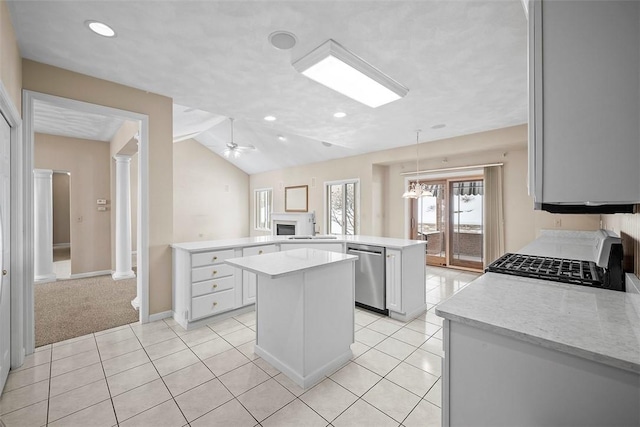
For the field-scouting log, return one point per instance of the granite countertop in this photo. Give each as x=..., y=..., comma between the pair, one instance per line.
x=264, y=240
x=278, y=264
x=596, y=324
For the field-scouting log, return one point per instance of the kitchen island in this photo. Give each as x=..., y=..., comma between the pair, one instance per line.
x=529, y=352
x=304, y=311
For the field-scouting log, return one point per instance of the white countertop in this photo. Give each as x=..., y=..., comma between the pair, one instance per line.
x=264, y=240
x=295, y=261
x=596, y=324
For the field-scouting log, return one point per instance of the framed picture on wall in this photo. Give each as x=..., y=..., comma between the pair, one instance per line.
x=296, y=199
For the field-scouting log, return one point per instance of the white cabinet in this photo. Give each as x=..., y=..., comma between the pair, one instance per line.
x=534, y=385
x=249, y=279
x=394, y=279
x=405, y=286
x=203, y=285
x=584, y=93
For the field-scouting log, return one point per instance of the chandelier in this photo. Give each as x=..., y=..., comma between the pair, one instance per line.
x=416, y=189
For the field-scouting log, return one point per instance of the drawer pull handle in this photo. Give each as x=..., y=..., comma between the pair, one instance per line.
x=260, y=253
x=215, y=272
x=215, y=258
x=215, y=303
x=215, y=286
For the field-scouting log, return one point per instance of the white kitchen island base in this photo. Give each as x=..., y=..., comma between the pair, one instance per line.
x=304, y=311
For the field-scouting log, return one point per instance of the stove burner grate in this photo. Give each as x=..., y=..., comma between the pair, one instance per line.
x=557, y=269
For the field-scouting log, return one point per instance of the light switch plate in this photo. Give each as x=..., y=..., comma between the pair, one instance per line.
x=101, y=201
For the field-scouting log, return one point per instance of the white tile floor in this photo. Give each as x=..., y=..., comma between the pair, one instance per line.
x=160, y=374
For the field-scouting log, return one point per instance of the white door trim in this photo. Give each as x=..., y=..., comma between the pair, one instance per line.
x=28, y=99
x=19, y=235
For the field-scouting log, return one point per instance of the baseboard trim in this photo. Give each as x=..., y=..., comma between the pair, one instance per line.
x=90, y=274
x=159, y=316
x=213, y=319
x=409, y=316
x=62, y=245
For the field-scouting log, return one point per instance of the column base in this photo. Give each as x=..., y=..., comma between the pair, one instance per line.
x=45, y=278
x=118, y=275
x=135, y=303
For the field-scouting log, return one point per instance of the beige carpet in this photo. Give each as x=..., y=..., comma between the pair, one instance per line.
x=72, y=308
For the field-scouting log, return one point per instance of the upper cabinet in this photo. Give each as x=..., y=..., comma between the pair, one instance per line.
x=584, y=94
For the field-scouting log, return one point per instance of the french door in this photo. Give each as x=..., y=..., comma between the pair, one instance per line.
x=450, y=219
x=429, y=222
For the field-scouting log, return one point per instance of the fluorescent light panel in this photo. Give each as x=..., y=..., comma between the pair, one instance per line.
x=334, y=66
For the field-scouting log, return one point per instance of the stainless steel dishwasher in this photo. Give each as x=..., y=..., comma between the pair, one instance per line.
x=370, y=277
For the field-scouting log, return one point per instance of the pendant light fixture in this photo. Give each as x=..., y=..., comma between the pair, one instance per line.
x=417, y=190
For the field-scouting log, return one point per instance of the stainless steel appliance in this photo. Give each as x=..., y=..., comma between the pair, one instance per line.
x=606, y=272
x=370, y=277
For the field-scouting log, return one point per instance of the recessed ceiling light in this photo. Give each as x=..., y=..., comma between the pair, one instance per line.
x=282, y=138
x=282, y=40
x=440, y=126
x=270, y=118
x=334, y=66
x=100, y=28
x=339, y=115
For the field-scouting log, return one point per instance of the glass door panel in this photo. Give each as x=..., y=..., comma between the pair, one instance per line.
x=466, y=234
x=429, y=222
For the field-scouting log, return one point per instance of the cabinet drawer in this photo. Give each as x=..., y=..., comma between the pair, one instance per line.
x=209, y=286
x=213, y=257
x=259, y=250
x=208, y=305
x=211, y=272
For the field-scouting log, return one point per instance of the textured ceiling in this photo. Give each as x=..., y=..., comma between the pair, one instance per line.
x=54, y=120
x=464, y=63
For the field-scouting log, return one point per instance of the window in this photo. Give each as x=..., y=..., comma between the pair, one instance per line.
x=342, y=204
x=262, y=213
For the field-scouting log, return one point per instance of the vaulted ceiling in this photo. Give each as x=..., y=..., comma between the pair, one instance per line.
x=464, y=62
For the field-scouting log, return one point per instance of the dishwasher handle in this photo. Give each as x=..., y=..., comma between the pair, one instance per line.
x=363, y=251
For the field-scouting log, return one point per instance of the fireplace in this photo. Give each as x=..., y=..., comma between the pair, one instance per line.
x=293, y=224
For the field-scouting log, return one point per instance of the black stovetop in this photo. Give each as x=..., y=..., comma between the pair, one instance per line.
x=585, y=273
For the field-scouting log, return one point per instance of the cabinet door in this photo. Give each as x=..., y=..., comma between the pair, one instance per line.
x=249, y=279
x=584, y=66
x=394, y=280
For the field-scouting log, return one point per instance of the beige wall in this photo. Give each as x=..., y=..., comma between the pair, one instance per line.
x=382, y=209
x=61, y=208
x=56, y=81
x=88, y=163
x=10, y=60
x=210, y=195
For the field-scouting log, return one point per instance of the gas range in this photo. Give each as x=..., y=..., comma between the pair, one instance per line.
x=606, y=272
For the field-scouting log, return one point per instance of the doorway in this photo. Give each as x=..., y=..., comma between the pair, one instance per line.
x=30, y=102
x=450, y=218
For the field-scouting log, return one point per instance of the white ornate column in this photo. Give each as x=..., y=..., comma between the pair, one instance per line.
x=123, y=218
x=43, y=226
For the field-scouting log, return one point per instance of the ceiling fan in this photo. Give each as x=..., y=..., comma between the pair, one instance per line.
x=234, y=150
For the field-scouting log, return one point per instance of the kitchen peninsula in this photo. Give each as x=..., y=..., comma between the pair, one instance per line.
x=304, y=310
x=205, y=288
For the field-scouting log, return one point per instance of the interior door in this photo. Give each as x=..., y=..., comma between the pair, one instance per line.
x=466, y=223
x=5, y=283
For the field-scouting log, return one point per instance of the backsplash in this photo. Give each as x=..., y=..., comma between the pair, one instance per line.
x=628, y=227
